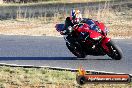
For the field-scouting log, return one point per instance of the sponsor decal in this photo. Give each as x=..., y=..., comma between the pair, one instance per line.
x=84, y=77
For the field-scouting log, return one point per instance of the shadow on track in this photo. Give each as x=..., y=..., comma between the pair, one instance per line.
x=48, y=58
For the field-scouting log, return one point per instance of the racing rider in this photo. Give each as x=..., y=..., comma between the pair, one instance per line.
x=76, y=19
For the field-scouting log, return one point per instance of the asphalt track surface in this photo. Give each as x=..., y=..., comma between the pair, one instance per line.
x=52, y=51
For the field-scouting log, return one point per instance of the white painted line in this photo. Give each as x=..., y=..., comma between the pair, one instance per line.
x=59, y=68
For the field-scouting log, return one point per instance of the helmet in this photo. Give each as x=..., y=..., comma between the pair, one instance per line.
x=76, y=16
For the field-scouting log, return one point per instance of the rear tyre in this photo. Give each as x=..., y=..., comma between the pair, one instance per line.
x=76, y=50
x=115, y=51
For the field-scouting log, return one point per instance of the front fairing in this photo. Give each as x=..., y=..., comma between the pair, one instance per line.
x=94, y=35
x=103, y=28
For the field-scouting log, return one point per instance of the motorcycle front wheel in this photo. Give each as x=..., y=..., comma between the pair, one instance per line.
x=115, y=51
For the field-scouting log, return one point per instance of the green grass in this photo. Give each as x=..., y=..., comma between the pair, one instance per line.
x=18, y=76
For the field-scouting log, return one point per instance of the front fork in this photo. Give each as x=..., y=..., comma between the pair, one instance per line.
x=104, y=42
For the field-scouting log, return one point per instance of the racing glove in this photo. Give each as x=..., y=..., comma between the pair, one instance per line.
x=67, y=31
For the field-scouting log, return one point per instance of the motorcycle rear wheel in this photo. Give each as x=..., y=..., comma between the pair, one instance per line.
x=115, y=51
x=76, y=50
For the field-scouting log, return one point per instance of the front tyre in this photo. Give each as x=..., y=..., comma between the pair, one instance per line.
x=76, y=50
x=115, y=51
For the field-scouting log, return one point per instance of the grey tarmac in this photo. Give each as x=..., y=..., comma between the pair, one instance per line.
x=52, y=51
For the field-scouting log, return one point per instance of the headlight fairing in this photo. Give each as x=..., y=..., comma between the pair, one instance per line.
x=97, y=38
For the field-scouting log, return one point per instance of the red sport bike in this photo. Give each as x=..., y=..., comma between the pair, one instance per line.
x=97, y=44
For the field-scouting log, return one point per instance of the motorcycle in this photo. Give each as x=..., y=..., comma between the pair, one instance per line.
x=97, y=43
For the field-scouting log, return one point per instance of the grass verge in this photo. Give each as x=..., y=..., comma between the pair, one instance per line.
x=51, y=2
x=19, y=77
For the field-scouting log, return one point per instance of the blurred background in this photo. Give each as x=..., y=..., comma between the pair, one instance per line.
x=41, y=15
